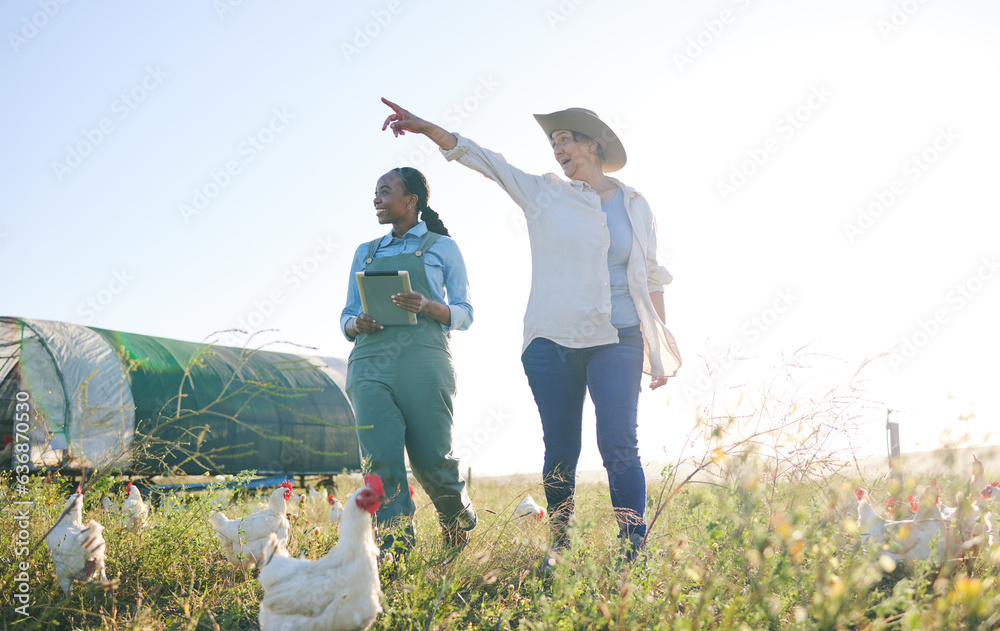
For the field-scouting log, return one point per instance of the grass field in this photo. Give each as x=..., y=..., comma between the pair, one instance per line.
x=739, y=553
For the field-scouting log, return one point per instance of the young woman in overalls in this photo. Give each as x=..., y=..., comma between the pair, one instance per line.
x=401, y=379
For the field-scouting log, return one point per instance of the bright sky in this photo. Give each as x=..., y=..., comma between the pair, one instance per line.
x=821, y=173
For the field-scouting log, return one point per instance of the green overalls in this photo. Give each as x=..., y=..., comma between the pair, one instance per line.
x=401, y=381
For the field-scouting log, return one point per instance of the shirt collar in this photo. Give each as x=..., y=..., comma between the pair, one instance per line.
x=415, y=232
x=627, y=190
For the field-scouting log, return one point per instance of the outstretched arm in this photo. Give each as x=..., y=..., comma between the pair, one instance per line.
x=530, y=192
x=402, y=121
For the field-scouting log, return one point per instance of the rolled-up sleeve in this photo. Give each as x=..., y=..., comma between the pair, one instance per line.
x=353, y=306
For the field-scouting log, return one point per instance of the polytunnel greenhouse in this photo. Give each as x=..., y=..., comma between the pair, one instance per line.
x=98, y=398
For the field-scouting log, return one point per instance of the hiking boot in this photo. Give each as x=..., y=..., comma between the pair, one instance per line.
x=558, y=549
x=455, y=532
x=632, y=548
x=454, y=537
x=467, y=519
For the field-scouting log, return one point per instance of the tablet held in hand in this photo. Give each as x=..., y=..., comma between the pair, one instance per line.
x=377, y=290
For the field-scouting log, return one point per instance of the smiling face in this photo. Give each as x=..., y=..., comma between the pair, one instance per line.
x=391, y=201
x=574, y=156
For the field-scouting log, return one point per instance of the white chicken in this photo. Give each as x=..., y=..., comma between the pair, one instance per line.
x=925, y=537
x=871, y=525
x=528, y=508
x=979, y=479
x=967, y=518
x=244, y=539
x=336, y=510
x=910, y=539
x=134, y=510
x=77, y=550
x=338, y=592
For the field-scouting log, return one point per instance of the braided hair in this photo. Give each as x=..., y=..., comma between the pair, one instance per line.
x=416, y=184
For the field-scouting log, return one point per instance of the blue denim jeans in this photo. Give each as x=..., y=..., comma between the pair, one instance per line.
x=560, y=378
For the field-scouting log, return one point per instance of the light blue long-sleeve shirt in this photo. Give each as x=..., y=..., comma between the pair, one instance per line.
x=446, y=275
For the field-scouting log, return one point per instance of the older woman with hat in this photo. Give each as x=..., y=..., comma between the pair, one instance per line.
x=595, y=316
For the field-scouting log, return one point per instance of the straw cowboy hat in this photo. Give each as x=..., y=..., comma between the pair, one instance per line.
x=586, y=122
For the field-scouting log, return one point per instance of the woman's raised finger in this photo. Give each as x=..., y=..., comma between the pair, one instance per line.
x=395, y=107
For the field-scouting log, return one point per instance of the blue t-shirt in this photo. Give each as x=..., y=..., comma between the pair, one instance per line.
x=623, y=313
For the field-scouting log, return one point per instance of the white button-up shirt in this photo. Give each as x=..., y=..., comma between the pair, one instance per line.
x=570, y=298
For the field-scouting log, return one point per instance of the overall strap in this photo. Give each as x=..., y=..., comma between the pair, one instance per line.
x=426, y=242
x=372, y=248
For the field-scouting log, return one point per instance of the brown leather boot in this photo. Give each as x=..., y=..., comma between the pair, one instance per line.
x=454, y=537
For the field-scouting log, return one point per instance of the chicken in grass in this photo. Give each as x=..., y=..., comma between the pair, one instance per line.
x=925, y=537
x=244, y=539
x=965, y=522
x=528, y=508
x=901, y=510
x=338, y=592
x=871, y=525
x=336, y=510
x=948, y=512
x=77, y=550
x=134, y=511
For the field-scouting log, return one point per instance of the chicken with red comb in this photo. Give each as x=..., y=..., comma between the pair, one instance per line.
x=529, y=508
x=871, y=525
x=372, y=495
x=374, y=482
x=339, y=591
x=135, y=512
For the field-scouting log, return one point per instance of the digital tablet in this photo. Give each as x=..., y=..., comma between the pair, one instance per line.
x=377, y=289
